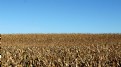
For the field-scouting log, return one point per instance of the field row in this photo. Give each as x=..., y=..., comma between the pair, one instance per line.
x=61, y=50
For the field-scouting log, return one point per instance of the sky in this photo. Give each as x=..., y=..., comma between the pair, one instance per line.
x=60, y=16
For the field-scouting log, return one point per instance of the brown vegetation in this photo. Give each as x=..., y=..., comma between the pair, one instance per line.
x=61, y=50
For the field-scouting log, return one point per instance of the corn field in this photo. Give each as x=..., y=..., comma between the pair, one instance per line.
x=61, y=50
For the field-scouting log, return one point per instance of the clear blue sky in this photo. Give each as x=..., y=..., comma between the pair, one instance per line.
x=60, y=16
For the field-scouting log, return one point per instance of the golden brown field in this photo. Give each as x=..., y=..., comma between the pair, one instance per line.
x=61, y=50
